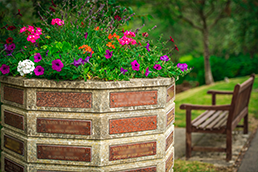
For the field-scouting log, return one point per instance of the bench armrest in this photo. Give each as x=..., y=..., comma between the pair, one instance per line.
x=205, y=107
x=219, y=92
x=214, y=92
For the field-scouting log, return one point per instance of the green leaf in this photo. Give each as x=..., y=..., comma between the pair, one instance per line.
x=76, y=76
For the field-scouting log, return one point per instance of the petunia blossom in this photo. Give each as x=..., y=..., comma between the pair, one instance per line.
x=31, y=29
x=135, y=65
x=37, y=57
x=182, y=66
x=117, y=17
x=39, y=70
x=57, y=65
x=109, y=54
x=147, y=47
x=5, y=69
x=147, y=72
x=11, y=47
x=122, y=70
x=157, y=67
x=164, y=58
x=9, y=40
x=77, y=63
x=11, y=28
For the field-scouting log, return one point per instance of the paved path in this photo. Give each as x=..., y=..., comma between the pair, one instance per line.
x=214, y=140
x=250, y=160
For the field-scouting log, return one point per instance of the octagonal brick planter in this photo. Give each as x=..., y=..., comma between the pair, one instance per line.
x=87, y=126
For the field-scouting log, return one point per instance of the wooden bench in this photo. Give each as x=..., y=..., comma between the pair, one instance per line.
x=221, y=119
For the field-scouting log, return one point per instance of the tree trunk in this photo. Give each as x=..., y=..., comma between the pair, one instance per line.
x=208, y=75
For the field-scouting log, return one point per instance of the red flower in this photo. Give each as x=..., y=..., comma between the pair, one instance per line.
x=176, y=48
x=117, y=17
x=171, y=39
x=52, y=9
x=19, y=13
x=139, y=44
x=11, y=28
x=82, y=23
x=145, y=34
x=53, y=3
x=9, y=40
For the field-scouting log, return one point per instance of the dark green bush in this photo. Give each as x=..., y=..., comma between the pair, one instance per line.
x=236, y=66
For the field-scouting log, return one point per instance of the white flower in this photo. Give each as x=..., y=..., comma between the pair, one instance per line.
x=25, y=67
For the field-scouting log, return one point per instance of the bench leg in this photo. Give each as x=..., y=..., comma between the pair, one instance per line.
x=188, y=145
x=246, y=124
x=229, y=145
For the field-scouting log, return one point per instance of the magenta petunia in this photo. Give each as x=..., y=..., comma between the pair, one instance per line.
x=147, y=72
x=37, y=57
x=57, y=65
x=39, y=70
x=11, y=47
x=164, y=58
x=5, y=69
x=182, y=66
x=109, y=54
x=157, y=67
x=86, y=35
x=135, y=65
x=122, y=70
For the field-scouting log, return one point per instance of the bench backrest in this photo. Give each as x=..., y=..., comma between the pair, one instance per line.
x=240, y=101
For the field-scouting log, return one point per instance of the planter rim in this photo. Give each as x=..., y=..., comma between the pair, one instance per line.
x=90, y=84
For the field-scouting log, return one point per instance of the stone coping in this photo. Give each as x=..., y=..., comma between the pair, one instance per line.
x=44, y=83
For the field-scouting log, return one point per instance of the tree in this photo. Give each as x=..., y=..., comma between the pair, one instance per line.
x=202, y=15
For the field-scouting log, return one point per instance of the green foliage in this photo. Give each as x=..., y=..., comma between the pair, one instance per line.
x=186, y=166
x=235, y=66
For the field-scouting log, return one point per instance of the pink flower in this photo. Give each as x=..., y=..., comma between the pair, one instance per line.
x=53, y=22
x=57, y=65
x=39, y=70
x=38, y=30
x=5, y=69
x=37, y=57
x=23, y=29
x=30, y=29
x=31, y=38
x=135, y=65
x=157, y=67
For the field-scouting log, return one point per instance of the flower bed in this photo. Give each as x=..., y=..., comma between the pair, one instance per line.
x=86, y=41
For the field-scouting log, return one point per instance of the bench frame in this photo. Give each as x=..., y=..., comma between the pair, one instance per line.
x=235, y=111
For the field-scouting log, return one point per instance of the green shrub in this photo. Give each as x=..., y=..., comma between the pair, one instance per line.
x=236, y=66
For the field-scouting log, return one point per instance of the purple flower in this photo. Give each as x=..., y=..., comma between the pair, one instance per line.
x=9, y=52
x=123, y=70
x=147, y=72
x=11, y=47
x=77, y=62
x=57, y=65
x=37, y=57
x=157, y=67
x=182, y=66
x=86, y=60
x=109, y=54
x=135, y=65
x=147, y=46
x=47, y=52
x=5, y=69
x=86, y=35
x=164, y=58
x=39, y=70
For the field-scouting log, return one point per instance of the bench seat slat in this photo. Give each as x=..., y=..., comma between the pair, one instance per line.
x=200, y=116
x=222, y=122
x=209, y=120
x=201, y=120
x=211, y=125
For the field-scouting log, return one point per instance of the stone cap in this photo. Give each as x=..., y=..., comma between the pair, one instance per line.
x=90, y=84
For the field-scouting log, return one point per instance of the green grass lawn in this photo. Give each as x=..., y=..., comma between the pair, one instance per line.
x=199, y=96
